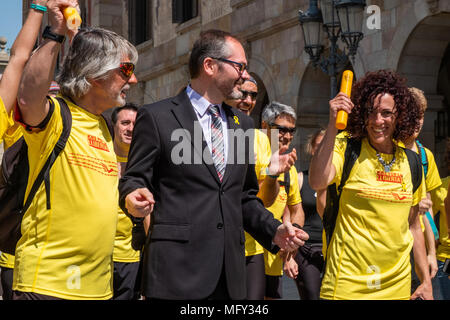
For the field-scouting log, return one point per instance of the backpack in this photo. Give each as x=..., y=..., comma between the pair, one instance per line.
x=424, y=161
x=14, y=173
x=352, y=151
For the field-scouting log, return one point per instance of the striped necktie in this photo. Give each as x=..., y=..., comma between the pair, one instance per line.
x=217, y=140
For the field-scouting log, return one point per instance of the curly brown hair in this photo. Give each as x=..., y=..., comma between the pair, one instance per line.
x=364, y=92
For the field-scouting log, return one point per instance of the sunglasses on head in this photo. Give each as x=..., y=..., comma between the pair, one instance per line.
x=252, y=94
x=283, y=130
x=127, y=68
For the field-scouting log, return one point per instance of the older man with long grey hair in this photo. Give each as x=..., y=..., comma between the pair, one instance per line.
x=65, y=251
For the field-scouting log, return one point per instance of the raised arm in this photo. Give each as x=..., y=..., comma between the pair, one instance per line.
x=279, y=163
x=20, y=53
x=321, y=169
x=39, y=71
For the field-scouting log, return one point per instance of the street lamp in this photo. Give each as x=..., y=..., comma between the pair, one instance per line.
x=339, y=18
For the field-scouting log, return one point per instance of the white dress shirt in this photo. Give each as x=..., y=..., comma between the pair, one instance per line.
x=201, y=105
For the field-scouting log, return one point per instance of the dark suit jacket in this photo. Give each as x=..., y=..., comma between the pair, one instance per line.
x=197, y=225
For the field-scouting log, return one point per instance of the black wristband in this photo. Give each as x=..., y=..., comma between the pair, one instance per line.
x=297, y=226
x=48, y=34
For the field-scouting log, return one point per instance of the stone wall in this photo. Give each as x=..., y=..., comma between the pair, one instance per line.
x=412, y=39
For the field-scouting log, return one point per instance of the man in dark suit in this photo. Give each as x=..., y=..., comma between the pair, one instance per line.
x=201, y=195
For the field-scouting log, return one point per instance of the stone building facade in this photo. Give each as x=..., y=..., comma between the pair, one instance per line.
x=413, y=38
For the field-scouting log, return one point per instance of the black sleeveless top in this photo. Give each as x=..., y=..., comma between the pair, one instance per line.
x=313, y=223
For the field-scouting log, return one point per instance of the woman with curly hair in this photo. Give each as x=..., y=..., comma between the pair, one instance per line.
x=368, y=256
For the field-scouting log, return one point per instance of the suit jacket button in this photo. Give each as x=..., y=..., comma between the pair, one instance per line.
x=219, y=225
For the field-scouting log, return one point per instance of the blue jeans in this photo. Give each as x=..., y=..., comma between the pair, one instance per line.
x=442, y=284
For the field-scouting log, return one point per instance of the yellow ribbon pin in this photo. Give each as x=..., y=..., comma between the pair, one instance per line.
x=236, y=120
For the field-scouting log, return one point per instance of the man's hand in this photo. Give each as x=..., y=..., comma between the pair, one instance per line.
x=140, y=202
x=290, y=267
x=280, y=162
x=55, y=14
x=425, y=205
x=423, y=292
x=289, y=238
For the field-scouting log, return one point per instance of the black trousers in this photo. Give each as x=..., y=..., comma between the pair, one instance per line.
x=256, y=277
x=310, y=266
x=126, y=282
x=6, y=278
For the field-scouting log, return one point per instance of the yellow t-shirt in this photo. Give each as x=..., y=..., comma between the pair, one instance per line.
x=273, y=262
x=438, y=197
x=262, y=154
x=369, y=252
x=4, y=118
x=66, y=251
x=10, y=135
x=123, y=252
x=432, y=180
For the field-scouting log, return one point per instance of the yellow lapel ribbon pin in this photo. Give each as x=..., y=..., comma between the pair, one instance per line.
x=236, y=120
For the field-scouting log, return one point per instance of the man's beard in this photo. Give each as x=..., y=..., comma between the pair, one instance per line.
x=235, y=95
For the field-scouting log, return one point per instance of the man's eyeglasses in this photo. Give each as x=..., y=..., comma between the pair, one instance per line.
x=252, y=94
x=127, y=68
x=241, y=66
x=283, y=130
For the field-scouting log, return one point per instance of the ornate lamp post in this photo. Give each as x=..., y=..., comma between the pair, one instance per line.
x=337, y=18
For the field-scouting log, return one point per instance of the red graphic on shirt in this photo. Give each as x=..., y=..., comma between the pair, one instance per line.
x=389, y=177
x=97, y=143
x=396, y=196
x=104, y=167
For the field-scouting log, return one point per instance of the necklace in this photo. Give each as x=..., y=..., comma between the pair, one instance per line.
x=387, y=166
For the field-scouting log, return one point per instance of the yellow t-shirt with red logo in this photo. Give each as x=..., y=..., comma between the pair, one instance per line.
x=273, y=262
x=369, y=252
x=66, y=251
x=262, y=154
x=438, y=197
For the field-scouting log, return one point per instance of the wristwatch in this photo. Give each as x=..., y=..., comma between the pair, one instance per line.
x=48, y=34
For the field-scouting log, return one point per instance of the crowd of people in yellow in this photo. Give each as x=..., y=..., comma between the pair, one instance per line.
x=118, y=219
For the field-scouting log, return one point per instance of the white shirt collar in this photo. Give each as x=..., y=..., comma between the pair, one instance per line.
x=199, y=103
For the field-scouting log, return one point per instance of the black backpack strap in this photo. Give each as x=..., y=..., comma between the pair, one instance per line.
x=43, y=175
x=287, y=182
x=110, y=125
x=415, y=166
x=423, y=157
x=352, y=151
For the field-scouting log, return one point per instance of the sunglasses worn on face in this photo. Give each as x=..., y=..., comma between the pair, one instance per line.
x=252, y=94
x=283, y=130
x=127, y=68
x=241, y=66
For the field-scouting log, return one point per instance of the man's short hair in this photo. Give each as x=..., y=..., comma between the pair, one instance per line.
x=212, y=43
x=127, y=106
x=92, y=54
x=419, y=96
x=252, y=80
x=276, y=109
